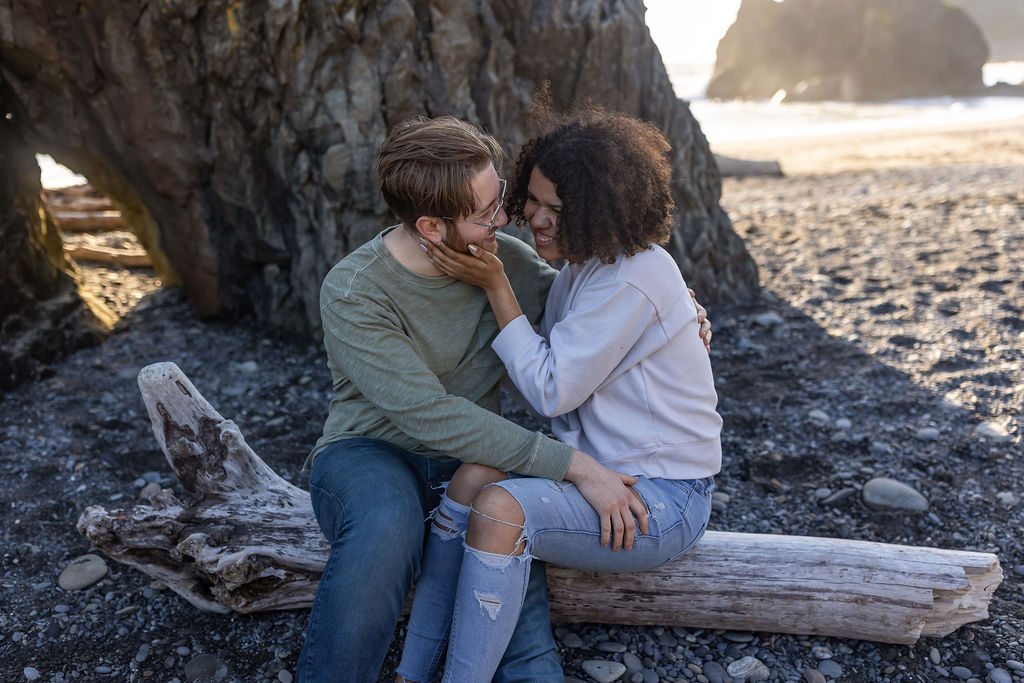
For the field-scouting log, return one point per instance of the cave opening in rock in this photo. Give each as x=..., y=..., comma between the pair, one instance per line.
x=112, y=264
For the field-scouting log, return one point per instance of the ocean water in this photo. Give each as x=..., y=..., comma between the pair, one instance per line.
x=733, y=120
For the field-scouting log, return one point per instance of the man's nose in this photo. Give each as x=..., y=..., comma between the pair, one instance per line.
x=500, y=220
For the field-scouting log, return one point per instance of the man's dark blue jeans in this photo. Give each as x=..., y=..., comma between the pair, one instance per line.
x=371, y=499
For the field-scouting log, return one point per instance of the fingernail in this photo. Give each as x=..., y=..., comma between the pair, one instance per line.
x=472, y=248
x=423, y=247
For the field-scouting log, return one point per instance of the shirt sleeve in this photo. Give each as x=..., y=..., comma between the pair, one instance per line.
x=368, y=345
x=586, y=347
x=530, y=276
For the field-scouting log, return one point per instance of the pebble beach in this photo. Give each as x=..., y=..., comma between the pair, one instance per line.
x=886, y=344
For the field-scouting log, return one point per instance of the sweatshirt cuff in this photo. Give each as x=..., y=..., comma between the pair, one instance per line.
x=552, y=460
x=516, y=334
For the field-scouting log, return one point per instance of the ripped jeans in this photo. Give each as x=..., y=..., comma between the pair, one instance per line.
x=370, y=498
x=488, y=589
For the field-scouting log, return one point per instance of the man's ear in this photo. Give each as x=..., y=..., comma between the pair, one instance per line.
x=430, y=228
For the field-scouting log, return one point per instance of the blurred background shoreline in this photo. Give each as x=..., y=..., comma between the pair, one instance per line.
x=728, y=121
x=687, y=33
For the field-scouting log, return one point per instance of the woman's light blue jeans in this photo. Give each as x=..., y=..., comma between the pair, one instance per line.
x=488, y=590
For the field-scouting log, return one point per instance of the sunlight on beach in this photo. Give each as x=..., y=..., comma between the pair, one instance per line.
x=54, y=175
x=688, y=31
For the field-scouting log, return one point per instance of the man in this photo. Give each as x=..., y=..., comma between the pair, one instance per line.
x=416, y=392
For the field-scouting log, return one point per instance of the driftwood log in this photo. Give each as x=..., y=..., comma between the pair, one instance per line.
x=88, y=221
x=246, y=540
x=131, y=258
x=743, y=168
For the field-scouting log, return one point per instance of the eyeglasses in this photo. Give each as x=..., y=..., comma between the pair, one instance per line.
x=502, y=184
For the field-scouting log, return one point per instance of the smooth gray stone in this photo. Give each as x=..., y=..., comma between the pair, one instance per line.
x=572, y=640
x=610, y=646
x=749, y=668
x=148, y=490
x=1000, y=676
x=961, y=672
x=204, y=667
x=839, y=496
x=813, y=676
x=632, y=662
x=738, y=636
x=992, y=431
x=884, y=494
x=82, y=572
x=716, y=673
x=769, y=319
x=830, y=668
x=602, y=671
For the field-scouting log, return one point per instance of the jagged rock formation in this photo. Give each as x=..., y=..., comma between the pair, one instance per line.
x=1002, y=22
x=239, y=138
x=852, y=50
x=41, y=313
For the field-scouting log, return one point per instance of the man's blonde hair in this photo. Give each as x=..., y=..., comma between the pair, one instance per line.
x=426, y=167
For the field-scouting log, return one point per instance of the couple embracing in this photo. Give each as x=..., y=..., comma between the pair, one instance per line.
x=420, y=325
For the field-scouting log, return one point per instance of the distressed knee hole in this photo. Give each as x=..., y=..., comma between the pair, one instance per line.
x=443, y=532
x=443, y=526
x=489, y=603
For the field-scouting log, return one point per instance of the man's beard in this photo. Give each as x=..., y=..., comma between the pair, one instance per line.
x=454, y=241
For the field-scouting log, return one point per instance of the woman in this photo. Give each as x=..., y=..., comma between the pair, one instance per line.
x=619, y=367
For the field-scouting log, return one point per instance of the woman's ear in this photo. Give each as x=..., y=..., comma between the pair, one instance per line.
x=431, y=228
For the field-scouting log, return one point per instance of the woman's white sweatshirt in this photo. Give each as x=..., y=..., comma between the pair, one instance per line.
x=620, y=368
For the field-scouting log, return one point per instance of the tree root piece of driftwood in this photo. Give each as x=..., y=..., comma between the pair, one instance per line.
x=246, y=540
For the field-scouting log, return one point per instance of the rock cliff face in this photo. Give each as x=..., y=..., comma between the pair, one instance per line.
x=41, y=314
x=850, y=50
x=239, y=138
x=1002, y=22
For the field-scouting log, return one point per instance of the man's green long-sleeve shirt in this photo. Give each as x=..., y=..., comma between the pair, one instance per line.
x=412, y=364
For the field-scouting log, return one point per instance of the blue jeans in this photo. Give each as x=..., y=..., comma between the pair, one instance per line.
x=370, y=499
x=560, y=527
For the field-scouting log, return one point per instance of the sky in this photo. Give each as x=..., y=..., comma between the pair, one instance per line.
x=688, y=31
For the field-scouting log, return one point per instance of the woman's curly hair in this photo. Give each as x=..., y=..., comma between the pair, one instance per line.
x=613, y=176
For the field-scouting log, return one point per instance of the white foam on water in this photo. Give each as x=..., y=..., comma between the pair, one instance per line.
x=739, y=120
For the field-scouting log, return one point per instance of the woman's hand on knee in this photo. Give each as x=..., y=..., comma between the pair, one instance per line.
x=608, y=493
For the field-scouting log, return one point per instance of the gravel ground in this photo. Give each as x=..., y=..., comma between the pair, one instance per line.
x=887, y=341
